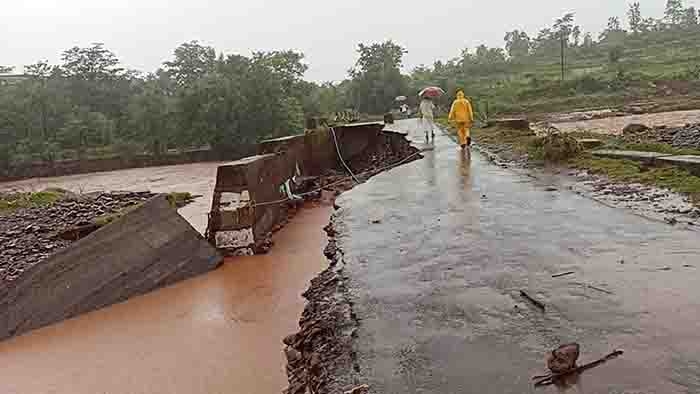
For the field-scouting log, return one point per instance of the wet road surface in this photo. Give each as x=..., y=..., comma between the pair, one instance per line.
x=219, y=333
x=438, y=250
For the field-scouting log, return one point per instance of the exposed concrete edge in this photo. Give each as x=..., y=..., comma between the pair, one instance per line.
x=688, y=162
x=649, y=158
x=148, y=248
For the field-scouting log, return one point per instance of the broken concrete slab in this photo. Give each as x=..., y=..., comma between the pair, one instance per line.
x=648, y=158
x=148, y=248
x=689, y=162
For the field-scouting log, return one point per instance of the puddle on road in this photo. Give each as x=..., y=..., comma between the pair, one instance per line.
x=218, y=333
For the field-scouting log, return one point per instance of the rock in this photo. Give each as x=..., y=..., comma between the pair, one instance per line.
x=563, y=358
x=290, y=340
x=634, y=128
x=292, y=355
x=364, y=389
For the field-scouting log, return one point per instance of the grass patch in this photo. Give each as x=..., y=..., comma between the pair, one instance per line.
x=109, y=218
x=13, y=201
x=179, y=199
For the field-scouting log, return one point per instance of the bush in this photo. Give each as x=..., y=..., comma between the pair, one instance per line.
x=554, y=147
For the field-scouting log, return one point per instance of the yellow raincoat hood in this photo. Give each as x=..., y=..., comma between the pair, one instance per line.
x=461, y=111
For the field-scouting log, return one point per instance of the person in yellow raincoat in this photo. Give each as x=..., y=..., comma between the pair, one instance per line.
x=462, y=116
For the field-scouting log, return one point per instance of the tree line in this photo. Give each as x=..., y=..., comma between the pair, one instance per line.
x=89, y=105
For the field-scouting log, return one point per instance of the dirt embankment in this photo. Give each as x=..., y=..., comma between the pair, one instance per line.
x=323, y=344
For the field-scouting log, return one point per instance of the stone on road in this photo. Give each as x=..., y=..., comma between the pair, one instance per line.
x=436, y=283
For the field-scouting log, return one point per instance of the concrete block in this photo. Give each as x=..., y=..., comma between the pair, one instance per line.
x=689, y=162
x=148, y=248
x=648, y=158
x=235, y=176
x=237, y=219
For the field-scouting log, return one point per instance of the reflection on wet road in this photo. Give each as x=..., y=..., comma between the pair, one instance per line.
x=437, y=282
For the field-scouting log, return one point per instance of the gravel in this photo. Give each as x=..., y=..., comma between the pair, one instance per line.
x=29, y=236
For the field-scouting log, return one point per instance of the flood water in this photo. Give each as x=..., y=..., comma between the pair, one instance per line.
x=218, y=333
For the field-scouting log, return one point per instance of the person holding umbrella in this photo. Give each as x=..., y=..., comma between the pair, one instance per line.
x=427, y=109
x=462, y=115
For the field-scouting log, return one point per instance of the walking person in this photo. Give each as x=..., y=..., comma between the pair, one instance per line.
x=428, y=118
x=462, y=116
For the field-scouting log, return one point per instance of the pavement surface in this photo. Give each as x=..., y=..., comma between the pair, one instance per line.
x=438, y=250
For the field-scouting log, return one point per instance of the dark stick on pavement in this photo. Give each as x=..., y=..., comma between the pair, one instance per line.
x=601, y=290
x=534, y=301
x=563, y=274
x=552, y=378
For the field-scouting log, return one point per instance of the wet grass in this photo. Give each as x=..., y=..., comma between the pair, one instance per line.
x=12, y=201
x=109, y=218
x=180, y=199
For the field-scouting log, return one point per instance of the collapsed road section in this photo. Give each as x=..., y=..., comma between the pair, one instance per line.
x=148, y=248
x=84, y=252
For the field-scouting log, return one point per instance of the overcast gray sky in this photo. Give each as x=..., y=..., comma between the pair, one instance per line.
x=143, y=33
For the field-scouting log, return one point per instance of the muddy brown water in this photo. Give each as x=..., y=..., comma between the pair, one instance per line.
x=218, y=333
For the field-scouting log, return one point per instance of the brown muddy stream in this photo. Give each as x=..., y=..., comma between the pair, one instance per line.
x=218, y=333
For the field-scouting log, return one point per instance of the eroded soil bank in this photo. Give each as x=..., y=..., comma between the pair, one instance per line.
x=218, y=333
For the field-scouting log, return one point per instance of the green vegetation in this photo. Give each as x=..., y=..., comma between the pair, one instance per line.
x=89, y=106
x=179, y=199
x=110, y=217
x=554, y=148
x=12, y=201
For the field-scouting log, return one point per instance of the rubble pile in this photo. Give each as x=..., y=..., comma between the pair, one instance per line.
x=30, y=235
x=323, y=344
x=686, y=137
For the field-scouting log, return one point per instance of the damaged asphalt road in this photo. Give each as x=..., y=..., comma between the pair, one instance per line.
x=437, y=252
